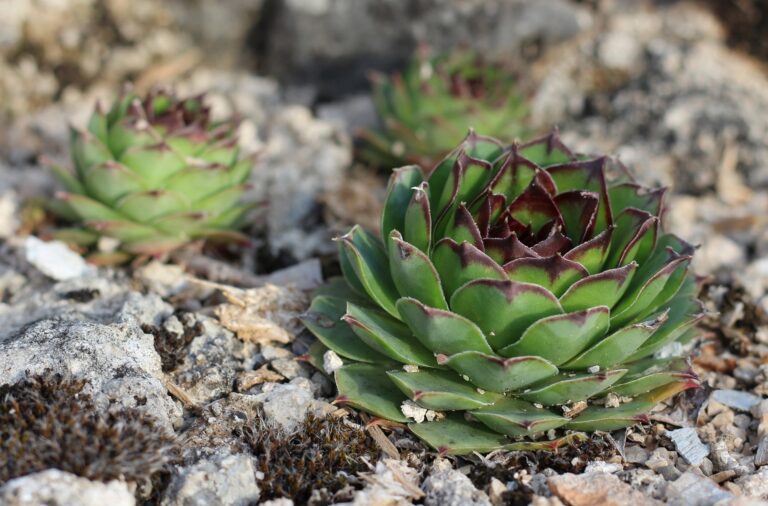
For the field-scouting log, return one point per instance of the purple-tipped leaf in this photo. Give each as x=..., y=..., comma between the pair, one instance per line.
x=413, y=273
x=559, y=338
x=503, y=309
x=499, y=374
x=602, y=289
x=459, y=263
x=399, y=194
x=593, y=253
x=371, y=266
x=417, y=226
x=554, y=273
x=585, y=175
x=387, y=336
x=441, y=331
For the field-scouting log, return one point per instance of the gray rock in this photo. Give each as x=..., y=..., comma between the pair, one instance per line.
x=286, y=404
x=119, y=361
x=736, y=399
x=761, y=454
x=109, y=301
x=218, y=426
x=636, y=454
x=211, y=363
x=688, y=445
x=596, y=488
x=303, y=159
x=694, y=490
x=57, y=488
x=351, y=114
x=448, y=487
x=678, y=99
x=224, y=480
x=755, y=485
x=290, y=368
x=315, y=41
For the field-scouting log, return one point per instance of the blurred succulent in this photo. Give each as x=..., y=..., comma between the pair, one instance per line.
x=154, y=174
x=426, y=110
x=507, y=296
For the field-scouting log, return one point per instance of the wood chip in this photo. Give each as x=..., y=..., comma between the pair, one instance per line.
x=176, y=391
x=249, y=379
x=723, y=476
x=383, y=441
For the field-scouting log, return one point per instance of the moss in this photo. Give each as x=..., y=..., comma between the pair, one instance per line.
x=47, y=422
x=319, y=459
x=172, y=346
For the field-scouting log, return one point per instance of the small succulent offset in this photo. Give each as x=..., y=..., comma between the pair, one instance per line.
x=154, y=173
x=426, y=110
x=508, y=298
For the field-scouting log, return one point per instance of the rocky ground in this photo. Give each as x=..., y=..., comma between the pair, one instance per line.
x=188, y=375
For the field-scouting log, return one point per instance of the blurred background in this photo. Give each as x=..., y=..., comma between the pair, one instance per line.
x=677, y=89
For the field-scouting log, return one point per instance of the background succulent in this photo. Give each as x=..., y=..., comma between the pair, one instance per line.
x=505, y=294
x=48, y=422
x=425, y=111
x=154, y=173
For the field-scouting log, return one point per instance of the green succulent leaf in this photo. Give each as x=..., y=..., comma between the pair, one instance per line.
x=602, y=289
x=323, y=318
x=554, y=273
x=547, y=150
x=417, y=228
x=634, y=237
x=399, y=194
x=387, y=336
x=503, y=309
x=441, y=331
x=153, y=163
x=592, y=254
x=565, y=388
x=516, y=418
x=363, y=386
x=456, y=436
x=458, y=264
x=559, y=338
x=413, y=273
x=615, y=348
x=440, y=390
x=610, y=419
x=369, y=261
x=498, y=374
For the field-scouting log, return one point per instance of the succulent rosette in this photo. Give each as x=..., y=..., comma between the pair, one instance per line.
x=153, y=174
x=425, y=110
x=505, y=296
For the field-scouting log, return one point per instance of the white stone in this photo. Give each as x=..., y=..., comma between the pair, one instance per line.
x=55, y=259
x=58, y=488
x=331, y=362
x=226, y=480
